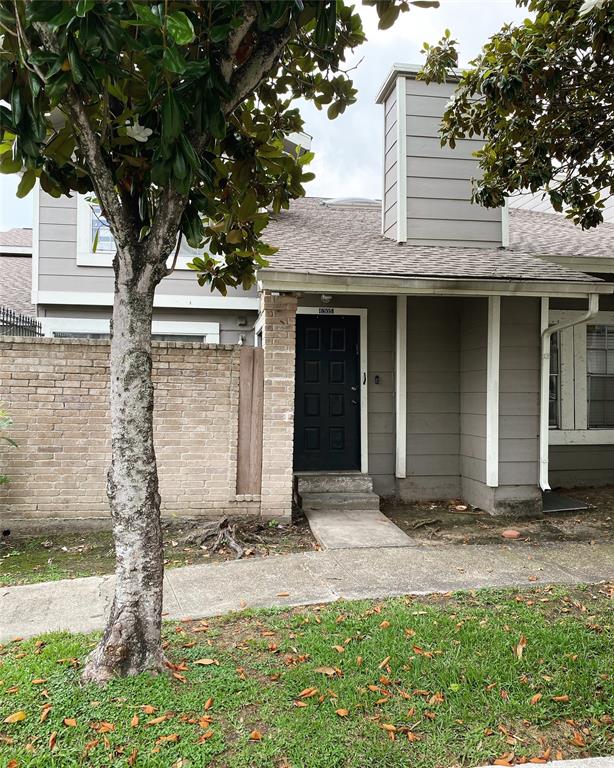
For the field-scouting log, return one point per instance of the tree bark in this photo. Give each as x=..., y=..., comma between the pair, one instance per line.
x=131, y=642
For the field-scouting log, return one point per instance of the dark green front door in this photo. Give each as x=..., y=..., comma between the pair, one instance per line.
x=327, y=404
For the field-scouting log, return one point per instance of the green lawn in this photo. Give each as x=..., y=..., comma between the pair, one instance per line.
x=437, y=681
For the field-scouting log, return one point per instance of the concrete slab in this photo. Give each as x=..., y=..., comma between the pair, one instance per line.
x=81, y=605
x=355, y=529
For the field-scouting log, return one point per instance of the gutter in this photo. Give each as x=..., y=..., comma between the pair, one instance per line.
x=547, y=331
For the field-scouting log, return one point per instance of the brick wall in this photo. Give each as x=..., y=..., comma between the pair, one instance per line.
x=278, y=423
x=56, y=390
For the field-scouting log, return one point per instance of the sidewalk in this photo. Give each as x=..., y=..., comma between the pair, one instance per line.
x=81, y=605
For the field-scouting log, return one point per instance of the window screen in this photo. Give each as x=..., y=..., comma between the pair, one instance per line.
x=600, y=372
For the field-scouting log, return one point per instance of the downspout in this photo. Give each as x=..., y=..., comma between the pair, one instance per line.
x=547, y=331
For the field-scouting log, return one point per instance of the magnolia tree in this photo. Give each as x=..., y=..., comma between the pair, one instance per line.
x=540, y=95
x=172, y=114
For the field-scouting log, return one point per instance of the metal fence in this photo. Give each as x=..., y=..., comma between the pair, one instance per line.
x=14, y=324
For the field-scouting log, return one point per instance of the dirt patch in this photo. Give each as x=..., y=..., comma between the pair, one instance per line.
x=454, y=522
x=28, y=559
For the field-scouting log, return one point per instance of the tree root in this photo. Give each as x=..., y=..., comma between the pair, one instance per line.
x=222, y=532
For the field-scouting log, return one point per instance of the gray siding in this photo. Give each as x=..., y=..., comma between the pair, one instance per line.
x=433, y=400
x=473, y=338
x=58, y=269
x=381, y=323
x=439, y=208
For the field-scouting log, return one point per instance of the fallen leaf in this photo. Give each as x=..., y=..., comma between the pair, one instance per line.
x=255, y=736
x=389, y=727
x=103, y=727
x=45, y=712
x=39, y=681
x=53, y=739
x=578, y=739
x=148, y=709
x=328, y=671
x=157, y=720
x=510, y=533
x=339, y=648
x=383, y=663
x=536, y=698
x=16, y=717
x=135, y=721
x=205, y=737
x=306, y=693
x=385, y=624
x=520, y=646
x=70, y=722
x=133, y=756
x=283, y=594
x=342, y=712
x=171, y=738
x=561, y=699
x=206, y=662
x=12, y=764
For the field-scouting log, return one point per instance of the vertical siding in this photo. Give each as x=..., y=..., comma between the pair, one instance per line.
x=389, y=195
x=439, y=208
x=433, y=399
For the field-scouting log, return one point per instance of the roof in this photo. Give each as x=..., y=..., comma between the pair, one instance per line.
x=552, y=236
x=17, y=240
x=411, y=71
x=346, y=240
x=15, y=284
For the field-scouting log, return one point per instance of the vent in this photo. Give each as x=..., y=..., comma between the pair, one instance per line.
x=352, y=202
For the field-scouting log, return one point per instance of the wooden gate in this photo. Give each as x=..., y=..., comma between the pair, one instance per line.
x=251, y=400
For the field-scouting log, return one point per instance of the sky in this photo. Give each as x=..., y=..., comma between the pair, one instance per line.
x=349, y=149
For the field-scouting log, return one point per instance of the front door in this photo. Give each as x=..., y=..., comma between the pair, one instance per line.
x=327, y=404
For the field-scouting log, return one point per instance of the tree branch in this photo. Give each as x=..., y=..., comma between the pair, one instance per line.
x=235, y=38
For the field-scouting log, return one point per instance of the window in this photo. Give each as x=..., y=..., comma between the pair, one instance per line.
x=100, y=227
x=555, y=376
x=600, y=375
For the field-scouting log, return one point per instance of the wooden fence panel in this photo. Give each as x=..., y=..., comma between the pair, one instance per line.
x=251, y=400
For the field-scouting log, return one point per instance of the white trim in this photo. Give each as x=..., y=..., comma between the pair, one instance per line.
x=364, y=374
x=306, y=282
x=209, y=332
x=259, y=327
x=160, y=300
x=505, y=225
x=401, y=160
x=580, y=384
x=570, y=320
x=16, y=250
x=567, y=413
x=35, y=241
x=581, y=436
x=603, y=264
x=492, y=391
x=401, y=388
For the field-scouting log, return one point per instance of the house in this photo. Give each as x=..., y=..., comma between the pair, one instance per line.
x=420, y=347
x=444, y=349
x=15, y=271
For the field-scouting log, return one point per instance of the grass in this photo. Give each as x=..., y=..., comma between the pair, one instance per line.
x=32, y=559
x=332, y=686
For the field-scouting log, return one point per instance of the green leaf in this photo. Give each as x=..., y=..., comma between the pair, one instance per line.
x=173, y=61
x=172, y=122
x=95, y=243
x=84, y=7
x=28, y=180
x=8, y=165
x=145, y=15
x=180, y=27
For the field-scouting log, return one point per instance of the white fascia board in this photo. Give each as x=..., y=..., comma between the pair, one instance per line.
x=600, y=264
x=16, y=250
x=289, y=281
x=51, y=325
x=80, y=298
x=407, y=70
x=492, y=390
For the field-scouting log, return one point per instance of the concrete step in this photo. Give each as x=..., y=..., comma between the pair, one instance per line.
x=347, y=501
x=337, y=482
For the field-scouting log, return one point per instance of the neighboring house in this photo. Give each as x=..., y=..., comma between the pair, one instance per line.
x=72, y=280
x=16, y=271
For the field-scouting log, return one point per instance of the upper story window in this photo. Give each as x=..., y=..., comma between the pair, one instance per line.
x=600, y=375
x=93, y=230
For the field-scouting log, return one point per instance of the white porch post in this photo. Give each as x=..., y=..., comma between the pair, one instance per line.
x=401, y=387
x=492, y=391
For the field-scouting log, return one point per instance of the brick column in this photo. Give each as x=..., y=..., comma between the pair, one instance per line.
x=278, y=422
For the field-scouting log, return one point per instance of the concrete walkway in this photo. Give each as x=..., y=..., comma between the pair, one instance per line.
x=309, y=577
x=355, y=529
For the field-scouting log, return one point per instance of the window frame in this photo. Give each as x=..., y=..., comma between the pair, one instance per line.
x=86, y=257
x=573, y=386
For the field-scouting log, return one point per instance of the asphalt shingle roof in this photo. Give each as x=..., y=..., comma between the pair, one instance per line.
x=15, y=282
x=18, y=236
x=346, y=240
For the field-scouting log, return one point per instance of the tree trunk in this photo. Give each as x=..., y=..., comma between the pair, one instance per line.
x=131, y=642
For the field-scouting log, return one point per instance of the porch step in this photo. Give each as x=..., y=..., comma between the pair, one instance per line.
x=334, y=482
x=346, y=501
